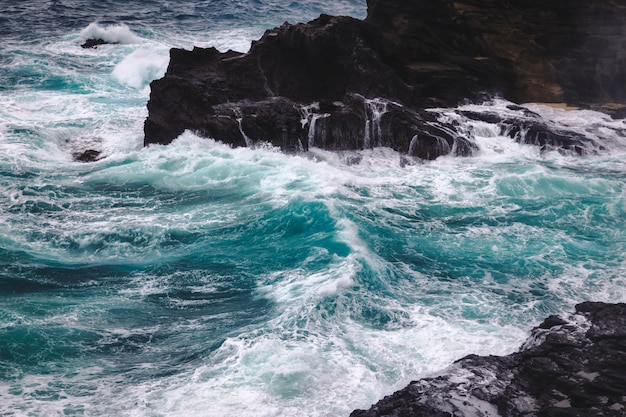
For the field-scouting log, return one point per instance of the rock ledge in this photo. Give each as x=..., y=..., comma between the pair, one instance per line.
x=346, y=84
x=572, y=365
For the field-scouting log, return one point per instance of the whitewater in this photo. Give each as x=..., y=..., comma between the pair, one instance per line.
x=198, y=279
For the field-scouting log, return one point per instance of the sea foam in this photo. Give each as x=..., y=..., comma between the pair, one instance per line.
x=141, y=67
x=112, y=34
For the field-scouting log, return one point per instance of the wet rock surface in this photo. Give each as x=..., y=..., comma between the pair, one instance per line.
x=572, y=365
x=94, y=43
x=342, y=83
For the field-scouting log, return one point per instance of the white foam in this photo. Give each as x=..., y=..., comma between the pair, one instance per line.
x=112, y=34
x=503, y=149
x=288, y=370
x=236, y=39
x=317, y=353
x=140, y=67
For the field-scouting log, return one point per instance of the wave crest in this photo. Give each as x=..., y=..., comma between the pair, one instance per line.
x=112, y=34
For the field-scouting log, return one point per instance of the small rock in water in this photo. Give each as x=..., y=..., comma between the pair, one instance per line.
x=89, y=155
x=94, y=42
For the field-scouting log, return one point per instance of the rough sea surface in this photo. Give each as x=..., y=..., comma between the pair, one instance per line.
x=199, y=280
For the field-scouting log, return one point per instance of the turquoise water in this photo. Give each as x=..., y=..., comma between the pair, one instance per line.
x=199, y=280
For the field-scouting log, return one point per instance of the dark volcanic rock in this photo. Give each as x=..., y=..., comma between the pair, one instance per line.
x=342, y=83
x=556, y=51
x=94, y=43
x=321, y=61
x=572, y=365
x=330, y=70
x=528, y=127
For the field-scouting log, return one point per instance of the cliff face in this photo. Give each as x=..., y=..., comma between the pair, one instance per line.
x=572, y=365
x=556, y=51
x=342, y=83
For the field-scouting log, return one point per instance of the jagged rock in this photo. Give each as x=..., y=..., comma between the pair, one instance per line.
x=318, y=62
x=94, y=43
x=572, y=365
x=326, y=70
x=341, y=83
x=528, y=127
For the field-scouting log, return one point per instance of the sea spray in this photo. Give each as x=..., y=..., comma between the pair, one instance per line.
x=140, y=67
x=110, y=34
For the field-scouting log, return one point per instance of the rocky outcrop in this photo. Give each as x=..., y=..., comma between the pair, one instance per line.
x=342, y=83
x=572, y=365
x=94, y=43
x=555, y=51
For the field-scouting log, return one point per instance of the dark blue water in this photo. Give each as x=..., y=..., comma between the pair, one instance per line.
x=196, y=279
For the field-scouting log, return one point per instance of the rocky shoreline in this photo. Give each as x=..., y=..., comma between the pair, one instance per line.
x=395, y=79
x=572, y=365
x=340, y=83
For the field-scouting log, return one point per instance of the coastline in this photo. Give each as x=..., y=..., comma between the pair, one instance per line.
x=571, y=365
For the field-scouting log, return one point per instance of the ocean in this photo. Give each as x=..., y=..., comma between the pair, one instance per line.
x=195, y=279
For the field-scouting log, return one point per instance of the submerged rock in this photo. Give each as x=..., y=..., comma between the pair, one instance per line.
x=572, y=365
x=343, y=83
x=89, y=155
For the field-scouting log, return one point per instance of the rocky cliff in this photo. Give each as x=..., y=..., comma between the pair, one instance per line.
x=572, y=365
x=529, y=50
x=342, y=83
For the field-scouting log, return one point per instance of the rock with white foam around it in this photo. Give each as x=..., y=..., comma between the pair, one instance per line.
x=343, y=83
x=314, y=84
x=572, y=365
x=94, y=43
